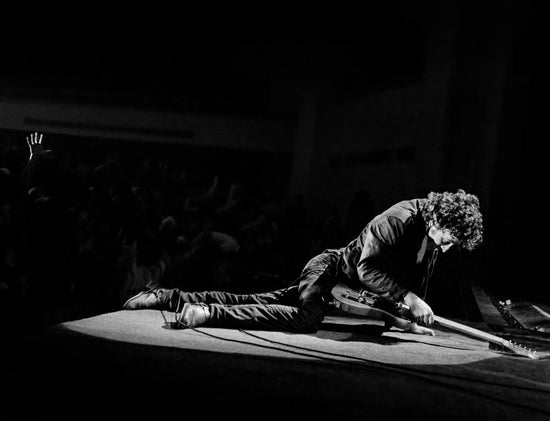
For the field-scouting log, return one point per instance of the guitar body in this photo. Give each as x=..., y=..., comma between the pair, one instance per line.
x=369, y=305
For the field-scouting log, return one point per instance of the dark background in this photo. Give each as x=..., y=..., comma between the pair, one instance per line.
x=255, y=64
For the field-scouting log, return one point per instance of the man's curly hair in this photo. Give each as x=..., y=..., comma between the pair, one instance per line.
x=459, y=213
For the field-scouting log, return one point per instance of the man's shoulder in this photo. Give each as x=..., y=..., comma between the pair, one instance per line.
x=396, y=218
x=403, y=211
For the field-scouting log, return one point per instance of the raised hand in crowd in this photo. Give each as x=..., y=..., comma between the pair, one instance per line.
x=35, y=144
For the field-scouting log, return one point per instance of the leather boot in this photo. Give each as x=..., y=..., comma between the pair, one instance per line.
x=144, y=300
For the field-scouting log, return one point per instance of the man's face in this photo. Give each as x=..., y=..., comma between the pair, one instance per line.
x=442, y=238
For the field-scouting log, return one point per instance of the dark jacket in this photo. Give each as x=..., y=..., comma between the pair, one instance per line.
x=388, y=257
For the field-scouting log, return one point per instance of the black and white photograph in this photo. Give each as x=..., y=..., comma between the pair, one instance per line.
x=275, y=213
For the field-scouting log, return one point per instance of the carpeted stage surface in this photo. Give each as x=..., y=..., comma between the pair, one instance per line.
x=127, y=363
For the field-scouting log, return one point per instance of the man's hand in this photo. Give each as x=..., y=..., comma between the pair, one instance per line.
x=35, y=144
x=420, y=330
x=420, y=310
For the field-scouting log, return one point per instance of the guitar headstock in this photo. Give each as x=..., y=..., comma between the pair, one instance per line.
x=520, y=349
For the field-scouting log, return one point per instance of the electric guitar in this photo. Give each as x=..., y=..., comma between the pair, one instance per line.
x=367, y=304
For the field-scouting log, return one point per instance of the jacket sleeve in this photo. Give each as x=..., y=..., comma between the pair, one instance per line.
x=379, y=240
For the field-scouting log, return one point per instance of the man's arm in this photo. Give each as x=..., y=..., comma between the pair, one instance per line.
x=36, y=149
x=379, y=240
x=382, y=236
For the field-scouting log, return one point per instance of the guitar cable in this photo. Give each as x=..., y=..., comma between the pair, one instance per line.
x=417, y=373
x=393, y=367
x=389, y=367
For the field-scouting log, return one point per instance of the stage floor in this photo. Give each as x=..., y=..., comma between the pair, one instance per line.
x=128, y=362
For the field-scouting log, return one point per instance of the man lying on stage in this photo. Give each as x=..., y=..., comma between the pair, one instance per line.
x=393, y=257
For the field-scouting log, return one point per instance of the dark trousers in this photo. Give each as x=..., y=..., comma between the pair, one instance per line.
x=299, y=308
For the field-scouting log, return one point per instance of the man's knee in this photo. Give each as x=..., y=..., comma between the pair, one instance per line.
x=310, y=318
x=310, y=293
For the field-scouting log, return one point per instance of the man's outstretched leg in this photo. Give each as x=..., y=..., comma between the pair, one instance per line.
x=171, y=299
x=264, y=311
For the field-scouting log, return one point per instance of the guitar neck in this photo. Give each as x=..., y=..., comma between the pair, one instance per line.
x=468, y=330
x=459, y=327
x=363, y=304
x=476, y=333
x=510, y=345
